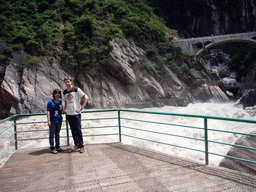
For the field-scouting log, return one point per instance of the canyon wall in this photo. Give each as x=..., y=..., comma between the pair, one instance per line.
x=124, y=83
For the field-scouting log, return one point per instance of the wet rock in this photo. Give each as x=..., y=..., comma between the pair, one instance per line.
x=248, y=99
x=249, y=141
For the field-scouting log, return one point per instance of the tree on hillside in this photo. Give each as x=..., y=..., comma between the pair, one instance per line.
x=83, y=28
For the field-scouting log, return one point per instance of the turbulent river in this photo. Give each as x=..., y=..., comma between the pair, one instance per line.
x=210, y=109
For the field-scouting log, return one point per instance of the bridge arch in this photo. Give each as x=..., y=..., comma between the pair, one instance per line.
x=201, y=44
x=212, y=44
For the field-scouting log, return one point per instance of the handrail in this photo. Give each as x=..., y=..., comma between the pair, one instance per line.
x=120, y=123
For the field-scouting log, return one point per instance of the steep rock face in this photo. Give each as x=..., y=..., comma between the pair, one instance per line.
x=196, y=18
x=124, y=84
x=32, y=86
x=249, y=141
x=232, y=16
x=124, y=55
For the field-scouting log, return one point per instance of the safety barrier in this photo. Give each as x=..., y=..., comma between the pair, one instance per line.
x=135, y=124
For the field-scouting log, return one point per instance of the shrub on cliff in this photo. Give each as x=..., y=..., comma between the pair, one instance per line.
x=82, y=28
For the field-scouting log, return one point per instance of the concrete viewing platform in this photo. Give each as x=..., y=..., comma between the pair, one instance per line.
x=115, y=167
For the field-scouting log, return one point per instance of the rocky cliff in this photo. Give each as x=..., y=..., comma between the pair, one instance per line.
x=196, y=18
x=124, y=83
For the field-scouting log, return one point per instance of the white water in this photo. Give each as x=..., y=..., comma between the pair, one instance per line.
x=211, y=109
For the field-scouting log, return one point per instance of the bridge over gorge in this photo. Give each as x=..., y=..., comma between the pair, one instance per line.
x=196, y=46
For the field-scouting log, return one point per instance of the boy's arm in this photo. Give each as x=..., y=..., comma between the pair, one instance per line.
x=84, y=103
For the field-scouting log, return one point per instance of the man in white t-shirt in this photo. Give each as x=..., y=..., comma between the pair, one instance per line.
x=72, y=96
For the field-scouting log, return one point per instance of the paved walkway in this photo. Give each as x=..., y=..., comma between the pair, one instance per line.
x=115, y=167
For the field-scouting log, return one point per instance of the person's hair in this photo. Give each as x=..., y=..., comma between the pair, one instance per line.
x=67, y=78
x=56, y=91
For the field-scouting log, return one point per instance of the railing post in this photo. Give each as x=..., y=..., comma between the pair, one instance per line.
x=15, y=133
x=67, y=131
x=119, y=124
x=206, y=141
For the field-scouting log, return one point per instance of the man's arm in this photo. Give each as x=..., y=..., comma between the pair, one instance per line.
x=85, y=101
x=85, y=97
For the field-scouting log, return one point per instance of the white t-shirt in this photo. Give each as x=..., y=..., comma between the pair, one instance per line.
x=72, y=99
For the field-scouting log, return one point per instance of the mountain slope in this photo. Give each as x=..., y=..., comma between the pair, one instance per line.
x=115, y=50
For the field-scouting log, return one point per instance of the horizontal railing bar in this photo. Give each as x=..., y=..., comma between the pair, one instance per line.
x=32, y=122
x=64, y=130
x=163, y=143
x=99, y=110
x=100, y=127
x=32, y=130
x=36, y=122
x=100, y=135
x=6, y=138
x=64, y=137
x=107, y=118
x=238, y=133
x=162, y=123
x=64, y=121
x=191, y=115
x=38, y=138
x=6, y=119
x=164, y=133
x=231, y=157
x=33, y=139
x=241, y=146
x=7, y=128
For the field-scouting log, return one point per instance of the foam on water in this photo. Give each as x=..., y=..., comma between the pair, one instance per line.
x=211, y=109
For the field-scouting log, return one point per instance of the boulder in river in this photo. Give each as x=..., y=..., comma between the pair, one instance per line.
x=243, y=153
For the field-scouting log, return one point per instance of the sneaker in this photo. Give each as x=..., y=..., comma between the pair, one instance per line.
x=82, y=150
x=74, y=148
x=54, y=151
x=59, y=149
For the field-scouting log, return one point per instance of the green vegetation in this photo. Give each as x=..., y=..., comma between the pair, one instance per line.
x=171, y=55
x=243, y=58
x=33, y=60
x=223, y=73
x=83, y=28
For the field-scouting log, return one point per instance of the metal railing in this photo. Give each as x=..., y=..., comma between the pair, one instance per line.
x=133, y=124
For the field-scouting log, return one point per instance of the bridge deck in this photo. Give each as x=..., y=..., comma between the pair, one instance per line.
x=115, y=167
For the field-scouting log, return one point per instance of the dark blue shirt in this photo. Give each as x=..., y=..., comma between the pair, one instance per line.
x=55, y=111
